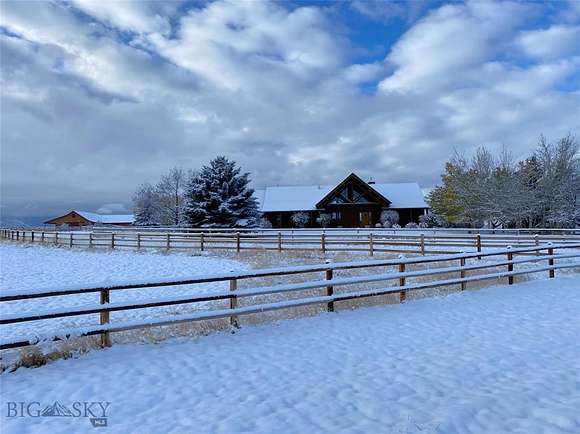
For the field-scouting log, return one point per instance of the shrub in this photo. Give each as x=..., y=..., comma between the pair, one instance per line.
x=300, y=219
x=265, y=223
x=432, y=220
x=389, y=218
x=324, y=219
x=411, y=225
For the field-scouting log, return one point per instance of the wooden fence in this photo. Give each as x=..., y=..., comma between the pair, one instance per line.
x=543, y=259
x=370, y=242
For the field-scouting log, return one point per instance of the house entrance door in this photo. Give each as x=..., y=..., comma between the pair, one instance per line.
x=365, y=218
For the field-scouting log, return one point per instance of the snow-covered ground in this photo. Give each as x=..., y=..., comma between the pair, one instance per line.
x=35, y=267
x=498, y=360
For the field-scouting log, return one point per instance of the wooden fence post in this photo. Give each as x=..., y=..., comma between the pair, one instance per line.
x=201, y=242
x=90, y=239
x=42, y=237
x=371, y=245
x=510, y=267
x=234, y=303
x=17, y=235
x=329, y=289
x=551, y=263
x=70, y=243
x=462, y=272
x=112, y=240
x=402, y=294
x=423, y=244
x=279, y=241
x=138, y=241
x=478, y=244
x=323, y=242
x=537, y=243
x=56, y=238
x=32, y=236
x=168, y=242
x=238, y=242
x=105, y=337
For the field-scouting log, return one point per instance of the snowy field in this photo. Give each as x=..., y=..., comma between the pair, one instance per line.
x=34, y=267
x=498, y=360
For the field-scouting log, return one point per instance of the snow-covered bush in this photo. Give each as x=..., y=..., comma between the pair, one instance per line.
x=265, y=223
x=432, y=220
x=300, y=219
x=411, y=225
x=378, y=225
x=324, y=219
x=396, y=226
x=389, y=218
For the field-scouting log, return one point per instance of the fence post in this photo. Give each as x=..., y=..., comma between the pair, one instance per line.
x=551, y=263
x=422, y=244
x=329, y=289
x=478, y=244
x=32, y=236
x=462, y=272
x=90, y=240
x=17, y=235
x=402, y=294
x=168, y=243
x=112, y=240
x=371, y=245
x=70, y=243
x=201, y=241
x=42, y=237
x=510, y=267
x=56, y=238
x=234, y=303
x=537, y=243
x=138, y=241
x=279, y=241
x=105, y=337
x=238, y=242
x=323, y=242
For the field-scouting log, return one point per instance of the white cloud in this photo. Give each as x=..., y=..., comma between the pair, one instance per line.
x=551, y=43
x=91, y=115
x=449, y=44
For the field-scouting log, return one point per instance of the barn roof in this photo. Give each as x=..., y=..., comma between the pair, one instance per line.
x=107, y=218
x=305, y=197
x=99, y=218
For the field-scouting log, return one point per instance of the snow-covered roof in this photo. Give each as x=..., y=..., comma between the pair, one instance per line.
x=259, y=196
x=305, y=197
x=107, y=218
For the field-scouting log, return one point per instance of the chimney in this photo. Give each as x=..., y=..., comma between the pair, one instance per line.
x=371, y=181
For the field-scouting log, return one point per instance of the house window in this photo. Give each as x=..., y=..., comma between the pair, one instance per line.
x=335, y=216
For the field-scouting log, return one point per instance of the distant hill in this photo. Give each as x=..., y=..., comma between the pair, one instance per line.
x=16, y=221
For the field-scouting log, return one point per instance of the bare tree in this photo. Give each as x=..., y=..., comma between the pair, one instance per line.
x=170, y=190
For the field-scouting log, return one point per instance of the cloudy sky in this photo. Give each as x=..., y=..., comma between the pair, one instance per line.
x=99, y=96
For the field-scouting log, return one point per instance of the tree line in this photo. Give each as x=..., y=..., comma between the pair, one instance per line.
x=218, y=194
x=541, y=190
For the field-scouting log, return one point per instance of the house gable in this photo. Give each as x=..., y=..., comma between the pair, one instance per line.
x=353, y=190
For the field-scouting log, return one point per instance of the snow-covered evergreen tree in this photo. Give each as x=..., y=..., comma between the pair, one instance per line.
x=219, y=195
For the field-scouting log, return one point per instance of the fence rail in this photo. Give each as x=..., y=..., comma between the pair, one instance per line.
x=550, y=257
x=370, y=242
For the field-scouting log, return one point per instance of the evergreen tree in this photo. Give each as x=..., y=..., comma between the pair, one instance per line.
x=219, y=195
